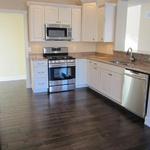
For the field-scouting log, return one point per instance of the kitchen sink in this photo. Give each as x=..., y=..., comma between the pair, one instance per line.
x=125, y=63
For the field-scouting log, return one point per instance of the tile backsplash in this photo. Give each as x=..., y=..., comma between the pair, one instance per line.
x=72, y=46
x=106, y=48
x=139, y=57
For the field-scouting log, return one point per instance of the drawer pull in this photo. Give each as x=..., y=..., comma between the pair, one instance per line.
x=41, y=72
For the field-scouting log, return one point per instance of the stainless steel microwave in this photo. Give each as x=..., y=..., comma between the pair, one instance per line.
x=58, y=32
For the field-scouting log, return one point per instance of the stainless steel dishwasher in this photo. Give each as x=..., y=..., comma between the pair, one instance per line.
x=135, y=92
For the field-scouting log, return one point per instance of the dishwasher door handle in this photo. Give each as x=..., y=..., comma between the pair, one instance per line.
x=136, y=76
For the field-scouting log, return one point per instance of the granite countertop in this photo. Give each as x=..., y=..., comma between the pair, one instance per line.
x=138, y=65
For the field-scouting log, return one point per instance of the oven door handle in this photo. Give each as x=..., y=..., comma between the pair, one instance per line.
x=59, y=66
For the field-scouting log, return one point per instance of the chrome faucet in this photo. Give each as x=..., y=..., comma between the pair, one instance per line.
x=130, y=52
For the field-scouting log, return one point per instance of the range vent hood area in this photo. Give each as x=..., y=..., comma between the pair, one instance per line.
x=98, y=2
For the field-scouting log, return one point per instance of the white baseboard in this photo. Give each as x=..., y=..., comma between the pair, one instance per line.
x=28, y=86
x=13, y=78
x=147, y=121
x=81, y=86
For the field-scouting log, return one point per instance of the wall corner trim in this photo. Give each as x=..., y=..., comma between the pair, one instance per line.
x=147, y=121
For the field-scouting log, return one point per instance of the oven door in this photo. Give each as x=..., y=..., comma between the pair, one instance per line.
x=61, y=75
x=58, y=33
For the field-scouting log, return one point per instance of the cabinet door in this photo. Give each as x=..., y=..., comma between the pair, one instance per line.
x=93, y=75
x=116, y=86
x=51, y=15
x=89, y=22
x=109, y=23
x=121, y=22
x=81, y=73
x=39, y=74
x=65, y=16
x=76, y=24
x=89, y=73
x=101, y=23
x=36, y=23
x=106, y=82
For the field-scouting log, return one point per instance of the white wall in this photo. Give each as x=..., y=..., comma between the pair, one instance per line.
x=21, y=4
x=12, y=46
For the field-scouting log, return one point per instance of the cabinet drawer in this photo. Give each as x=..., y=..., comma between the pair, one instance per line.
x=41, y=73
x=93, y=63
x=40, y=83
x=41, y=64
x=112, y=68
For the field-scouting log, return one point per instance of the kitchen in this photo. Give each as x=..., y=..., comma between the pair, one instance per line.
x=94, y=48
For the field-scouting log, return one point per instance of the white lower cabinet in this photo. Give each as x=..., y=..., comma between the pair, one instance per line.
x=39, y=74
x=106, y=79
x=112, y=84
x=106, y=82
x=116, y=87
x=81, y=73
x=93, y=75
x=103, y=78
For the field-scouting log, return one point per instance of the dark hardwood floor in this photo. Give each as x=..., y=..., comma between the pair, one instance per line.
x=76, y=120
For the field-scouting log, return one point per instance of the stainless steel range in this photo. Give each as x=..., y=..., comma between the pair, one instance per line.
x=61, y=69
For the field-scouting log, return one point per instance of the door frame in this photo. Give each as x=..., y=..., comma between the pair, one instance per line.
x=27, y=47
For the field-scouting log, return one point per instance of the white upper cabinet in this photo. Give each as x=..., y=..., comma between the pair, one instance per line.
x=101, y=21
x=89, y=22
x=57, y=15
x=65, y=15
x=51, y=15
x=109, y=22
x=121, y=22
x=98, y=23
x=36, y=23
x=76, y=24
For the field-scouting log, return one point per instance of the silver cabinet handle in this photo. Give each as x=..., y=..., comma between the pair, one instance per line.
x=42, y=72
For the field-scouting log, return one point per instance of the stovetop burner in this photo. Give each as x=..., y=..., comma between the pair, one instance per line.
x=57, y=54
x=59, y=57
